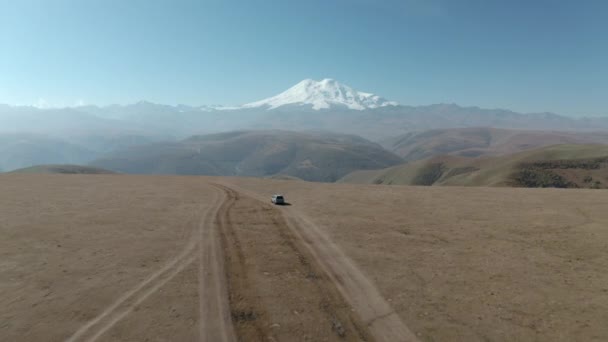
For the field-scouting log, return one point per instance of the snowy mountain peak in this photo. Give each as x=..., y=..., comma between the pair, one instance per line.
x=324, y=94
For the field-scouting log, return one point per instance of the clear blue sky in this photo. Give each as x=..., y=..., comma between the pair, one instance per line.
x=525, y=55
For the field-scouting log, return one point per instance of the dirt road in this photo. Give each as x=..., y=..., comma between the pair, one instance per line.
x=278, y=288
x=247, y=265
x=238, y=301
x=379, y=319
x=214, y=322
x=470, y=264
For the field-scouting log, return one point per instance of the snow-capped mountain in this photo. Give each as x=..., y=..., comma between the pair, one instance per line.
x=323, y=94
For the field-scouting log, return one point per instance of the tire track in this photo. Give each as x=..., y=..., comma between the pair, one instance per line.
x=383, y=323
x=144, y=295
x=331, y=298
x=381, y=320
x=215, y=319
x=241, y=308
x=250, y=313
x=94, y=328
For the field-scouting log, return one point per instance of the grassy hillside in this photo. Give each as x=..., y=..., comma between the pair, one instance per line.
x=482, y=141
x=62, y=169
x=308, y=156
x=565, y=166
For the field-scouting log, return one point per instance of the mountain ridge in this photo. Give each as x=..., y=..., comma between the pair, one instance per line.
x=559, y=166
x=323, y=105
x=482, y=141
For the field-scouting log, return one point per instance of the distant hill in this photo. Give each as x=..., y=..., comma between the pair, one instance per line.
x=284, y=177
x=62, y=169
x=482, y=141
x=563, y=166
x=309, y=156
x=23, y=150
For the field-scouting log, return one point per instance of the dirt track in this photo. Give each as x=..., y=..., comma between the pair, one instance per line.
x=375, y=312
x=258, y=279
x=110, y=258
x=295, y=297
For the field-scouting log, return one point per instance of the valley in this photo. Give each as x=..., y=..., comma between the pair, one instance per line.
x=322, y=131
x=312, y=156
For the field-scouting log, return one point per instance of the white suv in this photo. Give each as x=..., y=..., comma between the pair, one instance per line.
x=278, y=199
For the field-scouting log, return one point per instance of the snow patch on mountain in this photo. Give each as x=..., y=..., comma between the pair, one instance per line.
x=323, y=94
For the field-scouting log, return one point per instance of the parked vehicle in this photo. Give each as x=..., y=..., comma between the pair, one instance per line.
x=278, y=199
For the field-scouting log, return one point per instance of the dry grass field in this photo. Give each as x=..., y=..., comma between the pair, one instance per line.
x=167, y=258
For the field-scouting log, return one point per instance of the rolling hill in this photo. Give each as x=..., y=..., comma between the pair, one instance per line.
x=482, y=141
x=563, y=166
x=308, y=156
x=63, y=169
x=23, y=150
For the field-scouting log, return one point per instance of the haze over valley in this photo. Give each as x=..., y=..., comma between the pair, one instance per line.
x=315, y=130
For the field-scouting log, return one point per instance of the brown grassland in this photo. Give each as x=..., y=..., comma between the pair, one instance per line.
x=169, y=258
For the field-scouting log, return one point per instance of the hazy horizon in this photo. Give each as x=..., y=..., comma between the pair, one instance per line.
x=42, y=105
x=522, y=56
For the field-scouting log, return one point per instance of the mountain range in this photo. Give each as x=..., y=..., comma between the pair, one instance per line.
x=80, y=135
x=325, y=105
